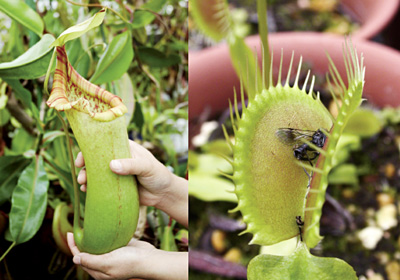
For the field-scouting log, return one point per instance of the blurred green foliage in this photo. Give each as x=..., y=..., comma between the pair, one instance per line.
x=139, y=52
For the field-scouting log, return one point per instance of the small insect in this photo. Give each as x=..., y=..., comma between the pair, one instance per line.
x=302, y=151
x=300, y=224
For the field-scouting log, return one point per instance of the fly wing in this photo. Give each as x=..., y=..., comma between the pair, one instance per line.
x=292, y=136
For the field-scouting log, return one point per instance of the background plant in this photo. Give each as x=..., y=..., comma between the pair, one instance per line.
x=149, y=74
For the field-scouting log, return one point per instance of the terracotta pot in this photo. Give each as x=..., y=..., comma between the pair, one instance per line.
x=212, y=77
x=372, y=14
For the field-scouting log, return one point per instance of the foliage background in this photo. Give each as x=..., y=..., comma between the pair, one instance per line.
x=153, y=85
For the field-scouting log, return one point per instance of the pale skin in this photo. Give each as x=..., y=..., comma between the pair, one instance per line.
x=157, y=187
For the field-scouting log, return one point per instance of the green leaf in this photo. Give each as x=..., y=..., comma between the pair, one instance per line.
x=4, y=116
x=182, y=235
x=63, y=176
x=141, y=19
x=346, y=144
x=140, y=35
x=20, y=92
x=206, y=182
x=29, y=201
x=344, y=174
x=124, y=89
x=155, y=58
x=10, y=169
x=22, y=13
x=78, y=57
x=217, y=147
x=138, y=118
x=32, y=64
x=301, y=265
x=364, y=123
x=154, y=5
x=15, y=43
x=22, y=141
x=79, y=29
x=179, y=45
x=115, y=61
x=168, y=240
x=50, y=136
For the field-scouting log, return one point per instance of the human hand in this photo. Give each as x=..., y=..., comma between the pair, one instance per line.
x=137, y=259
x=153, y=177
x=157, y=187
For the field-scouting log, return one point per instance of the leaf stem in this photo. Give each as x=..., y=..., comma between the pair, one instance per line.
x=8, y=250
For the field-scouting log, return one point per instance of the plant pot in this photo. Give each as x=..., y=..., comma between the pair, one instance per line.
x=212, y=76
x=373, y=15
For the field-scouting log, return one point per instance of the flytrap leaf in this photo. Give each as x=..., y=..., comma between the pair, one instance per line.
x=32, y=64
x=19, y=11
x=351, y=97
x=301, y=265
x=270, y=185
x=206, y=182
x=212, y=17
x=77, y=30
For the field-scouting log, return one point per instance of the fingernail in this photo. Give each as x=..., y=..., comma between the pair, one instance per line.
x=77, y=260
x=116, y=165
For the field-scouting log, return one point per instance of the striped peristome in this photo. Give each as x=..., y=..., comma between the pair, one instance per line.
x=71, y=90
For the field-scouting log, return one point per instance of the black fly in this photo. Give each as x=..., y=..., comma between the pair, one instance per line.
x=302, y=151
x=300, y=224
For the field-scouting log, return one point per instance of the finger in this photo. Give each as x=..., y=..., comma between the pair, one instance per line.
x=83, y=188
x=71, y=244
x=82, y=176
x=131, y=166
x=79, y=161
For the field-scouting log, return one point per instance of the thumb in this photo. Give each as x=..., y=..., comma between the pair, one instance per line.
x=131, y=166
x=92, y=262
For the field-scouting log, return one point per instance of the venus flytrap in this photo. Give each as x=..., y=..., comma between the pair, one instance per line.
x=271, y=185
